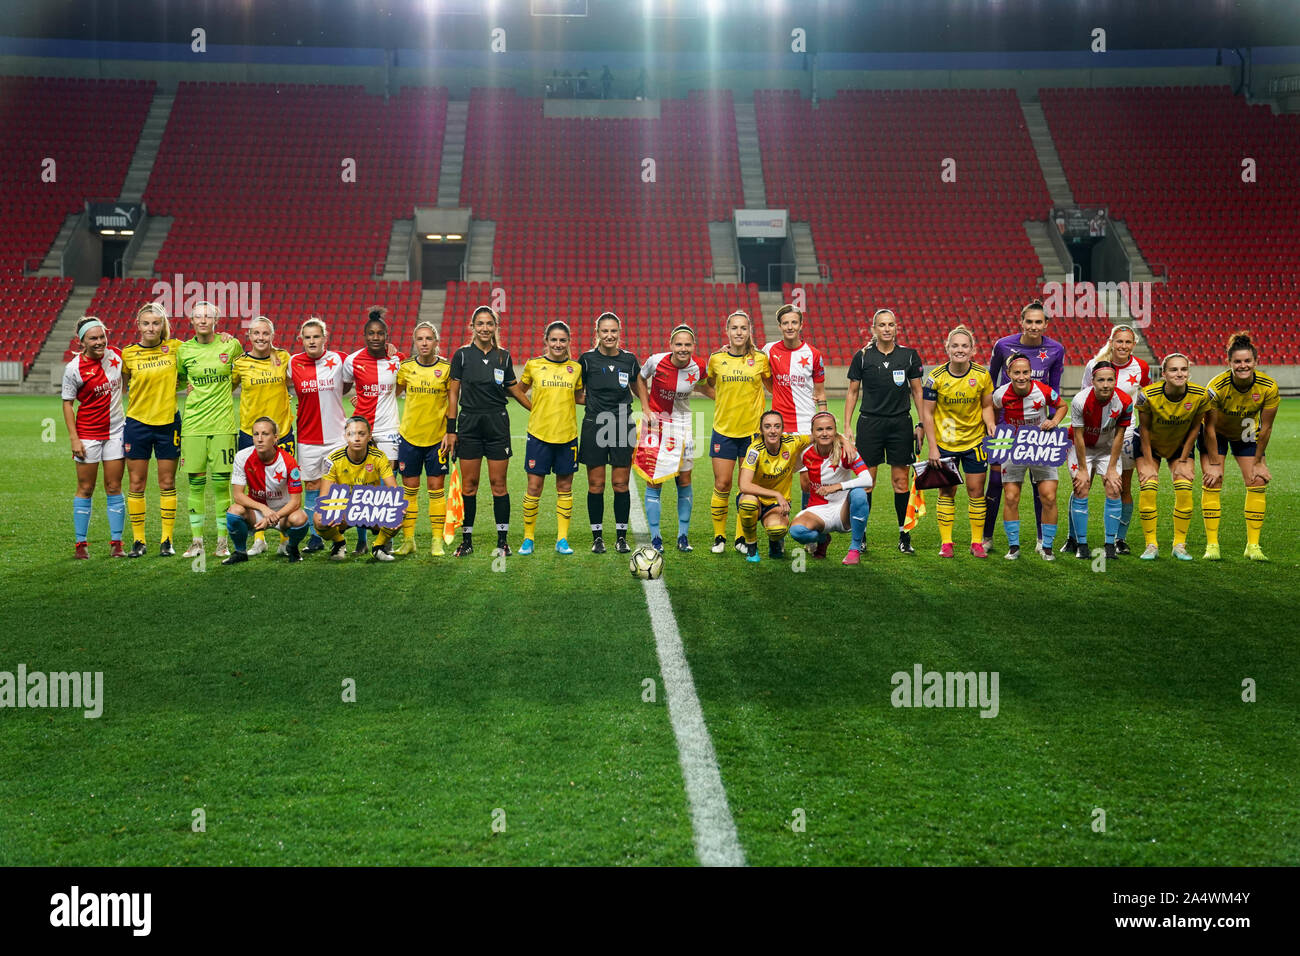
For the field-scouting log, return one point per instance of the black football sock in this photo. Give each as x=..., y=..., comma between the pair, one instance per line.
x=595, y=512
x=471, y=511
x=622, y=510
x=900, y=507
x=501, y=512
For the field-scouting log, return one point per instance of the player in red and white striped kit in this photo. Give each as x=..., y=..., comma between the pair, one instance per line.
x=373, y=371
x=666, y=439
x=316, y=374
x=1100, y=416
x=798, y=374
x=93, y=382
x=839, y=481
x=1025, y=401
x=1132, y=374
x=266, y=492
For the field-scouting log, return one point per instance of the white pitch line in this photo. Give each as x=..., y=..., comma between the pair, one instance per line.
x=716, y=842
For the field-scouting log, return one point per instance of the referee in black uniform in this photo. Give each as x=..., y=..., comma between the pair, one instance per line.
x=482, y=375
x=888, y=377
x=610, y=377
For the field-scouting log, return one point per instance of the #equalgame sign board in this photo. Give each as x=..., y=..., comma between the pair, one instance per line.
x=362, y=506
x=1028, y=445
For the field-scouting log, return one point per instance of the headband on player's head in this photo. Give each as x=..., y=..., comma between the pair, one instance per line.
x=1097, y=366
x=820, y=414
x=94, y=323
x=879, y=312
x=557, y=324
x=425, y=324
x=608, y=315
x=489, y=310
x=1123, y=328
x=739, y=312
x=1018, y=356
x=681, y=328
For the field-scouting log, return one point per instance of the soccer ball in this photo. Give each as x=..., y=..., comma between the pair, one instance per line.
x=646, y=563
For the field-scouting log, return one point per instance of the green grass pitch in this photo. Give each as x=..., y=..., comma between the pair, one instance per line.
x=515, y=697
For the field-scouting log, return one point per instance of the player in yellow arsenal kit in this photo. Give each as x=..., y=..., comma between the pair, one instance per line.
x=359, y=462
x=1169, y=419
x=423, y=379
x=153, y=425
x=957, y=413
x=1243, y=406
x=738, y=374
x=262, y=376
x=766, y=477
x=556, y=382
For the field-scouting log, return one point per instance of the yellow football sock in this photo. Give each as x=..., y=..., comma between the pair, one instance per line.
x=777, y=533
x=438, y=512
x=385, y=535
x=259, y=535
x=332, y=533
x=976, y=509
x=1182, y=509
x=1254, y=512
x=718, y=509
x=947, y=514
x=1147, y=508
x=412, y=496
x=563, y=513
x=530, y=516
x=167, y=499
x=740, y=531
x=136, y=509
x=1210, y=498
x=748, y=517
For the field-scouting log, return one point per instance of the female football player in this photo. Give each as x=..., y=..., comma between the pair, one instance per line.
x=1169, y=418
x=359, y=462
x=957, y=412
x=93, y=383
x=261, y=375
x=766, y=477
x=555, y=381
x=738, y=373
x=1132, y=374
x=265, y=492
x=208, y=424
x=316, y=374
x=373, y=370
x=1026, y=402
x=666, y=443
x=1243, y=406
x=424, y=379
x=482, y=379
x=153, y=425
x=839, y=482
x=1099, y=419
x=610, y=377
x=888, y=376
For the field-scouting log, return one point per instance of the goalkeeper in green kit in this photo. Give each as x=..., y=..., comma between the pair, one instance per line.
x=208, y=424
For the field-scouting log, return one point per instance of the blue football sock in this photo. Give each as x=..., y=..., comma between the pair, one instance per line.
x=81, y=517
x=805, y=501
x=1049, y=536
x=309, y=505
x=859, y=509
x=685, y=498
x=238, y=529
x=803, y=534
x=1012, y=529
x=1079, y=519
x=116, y=516
x=652, y=505
x=1112, y=514
x=297, y=534
x=1125, y=516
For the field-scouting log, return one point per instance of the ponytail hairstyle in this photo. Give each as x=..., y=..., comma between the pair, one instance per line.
x=155, y=308
x=1020, y=357
x=750, y=349
x=557, y=324
x=1107, y=351
x=758, y=435
x=1164, y=362
x=1032, y=305
x=496, y=321
x=437, y=339
x=1240, y=341
x=370, y=442
x=872, y=340
x=681, y=328
x=960, y=330
x=88, y=322
x=837, y=443
x=377, y=313
x=599, y=319
x=317, y=321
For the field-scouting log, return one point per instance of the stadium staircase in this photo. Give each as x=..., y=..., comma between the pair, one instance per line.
x=806, y=270
x=51, y=264
x=397, y=262
x=1049, y=161
x=722, y=249
x=453, y=153
x=479, y=257
x=142, y=262
x=47, y=370
x=146, y=149
x=751, y=161
x=433, y=303
x=768, y=303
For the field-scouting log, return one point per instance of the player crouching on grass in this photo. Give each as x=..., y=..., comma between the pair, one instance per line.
x=839, y=482
x=1025, y=402
x=766, y=476
x=265, y=486
x=359, y=462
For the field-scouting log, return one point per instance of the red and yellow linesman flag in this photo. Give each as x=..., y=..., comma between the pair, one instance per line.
x=915, y=506
x=455, y=506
